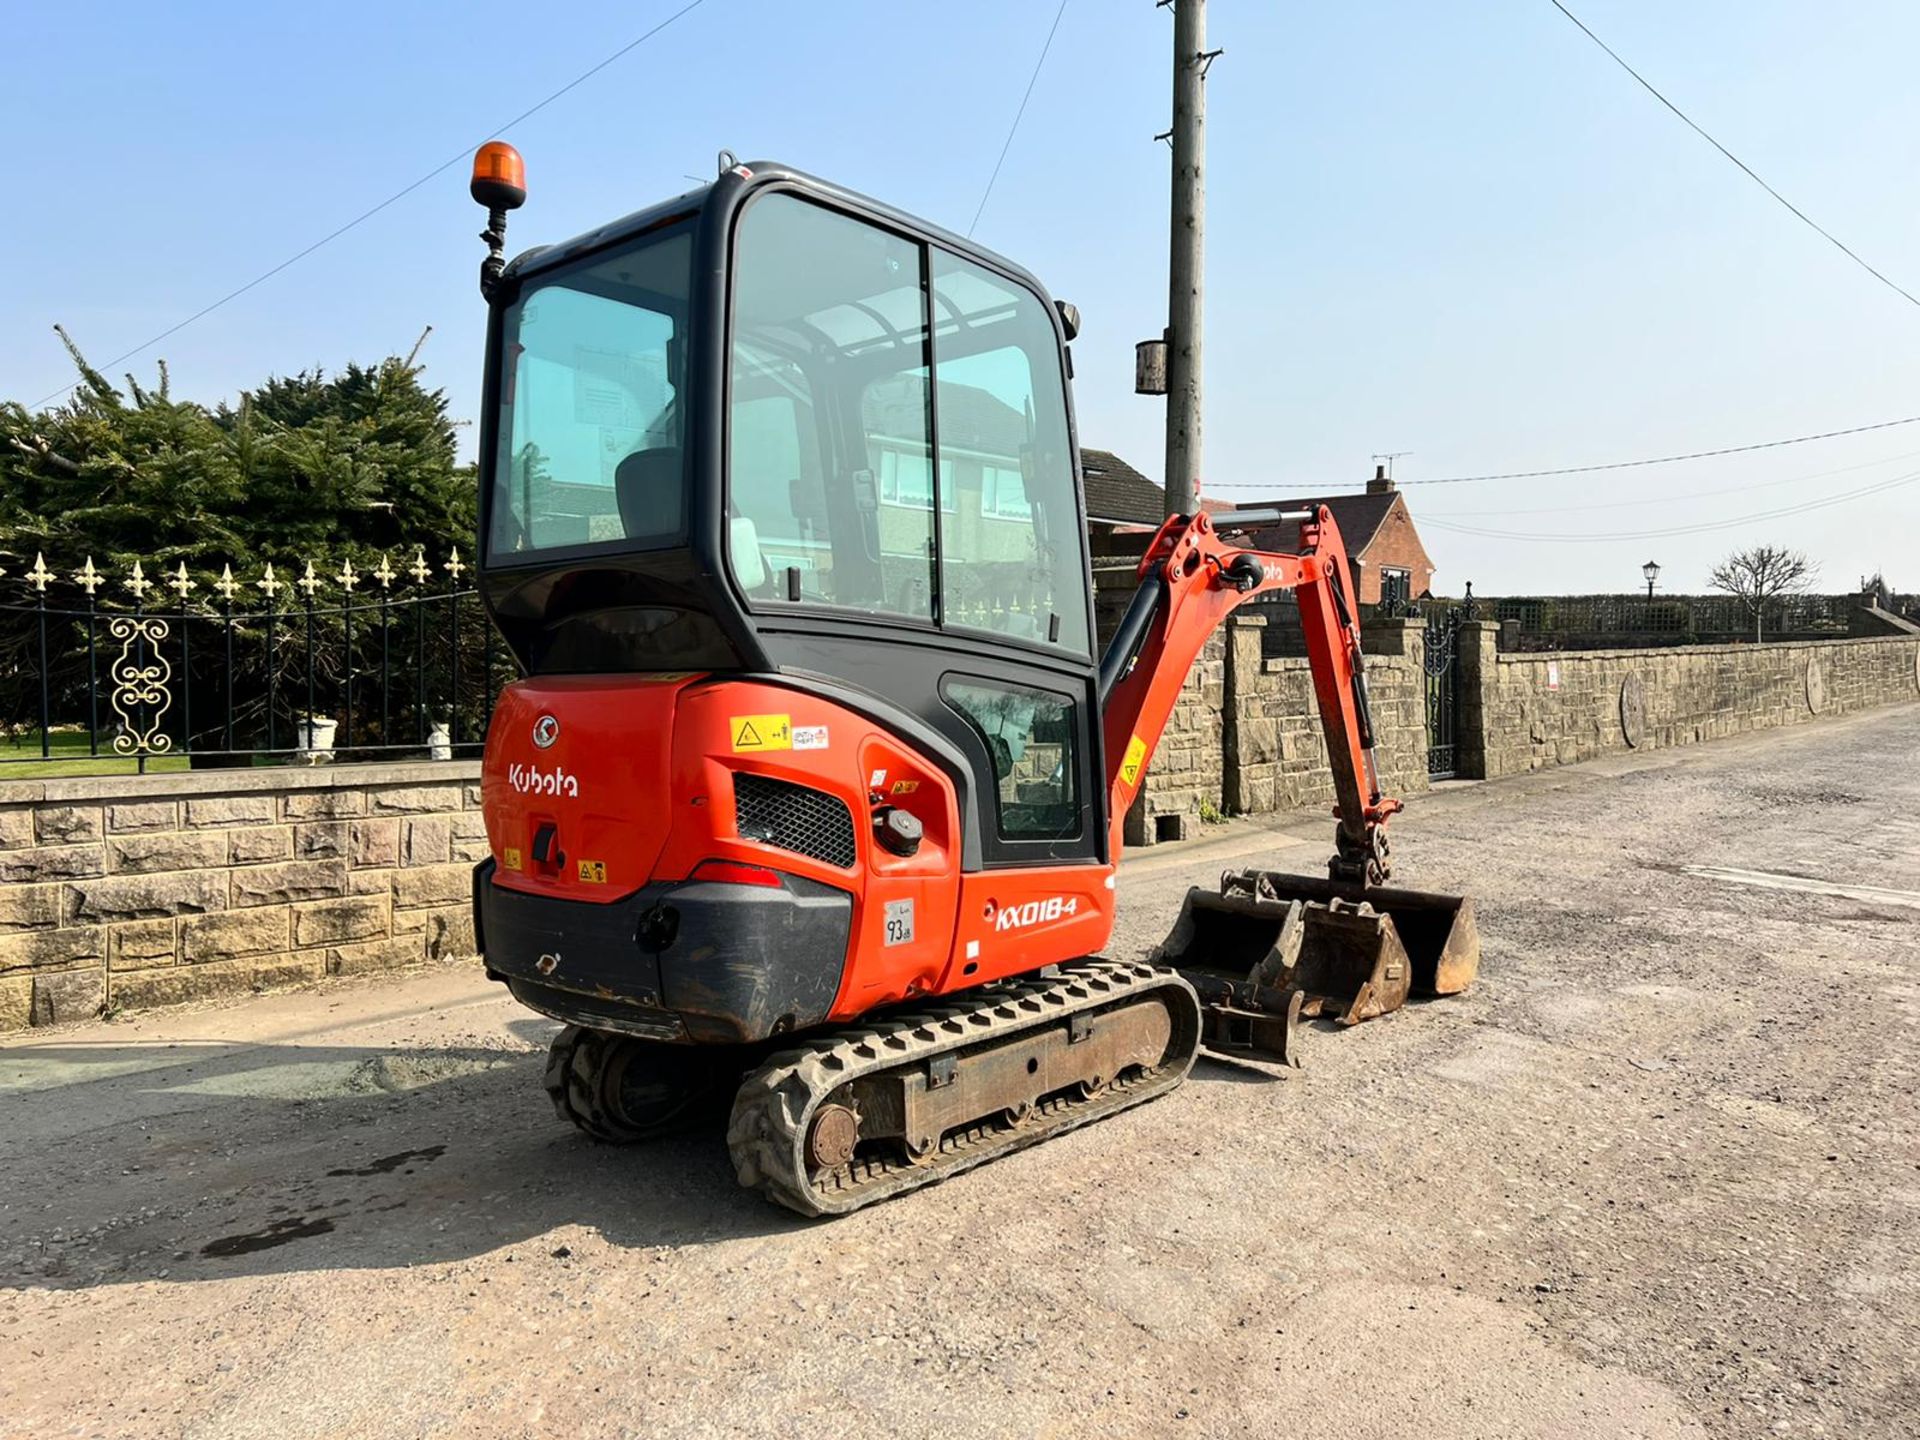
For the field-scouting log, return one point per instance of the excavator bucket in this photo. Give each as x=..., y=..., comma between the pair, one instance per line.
x=1269, y=949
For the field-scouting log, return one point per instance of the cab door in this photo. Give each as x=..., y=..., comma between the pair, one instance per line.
x=904, y=508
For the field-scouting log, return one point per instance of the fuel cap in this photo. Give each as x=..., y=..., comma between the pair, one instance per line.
x=896, y=830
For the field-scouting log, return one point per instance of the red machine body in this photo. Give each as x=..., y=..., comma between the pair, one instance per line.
x=638, y=785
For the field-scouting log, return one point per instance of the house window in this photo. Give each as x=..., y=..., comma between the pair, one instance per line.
x=1003, y=494
x=1396, y=586
x=904, y=480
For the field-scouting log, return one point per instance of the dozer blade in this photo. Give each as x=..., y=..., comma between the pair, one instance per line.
x=1267, y=944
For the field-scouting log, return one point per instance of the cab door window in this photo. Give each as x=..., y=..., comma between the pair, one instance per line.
x=1030, y=738
x=829, y=406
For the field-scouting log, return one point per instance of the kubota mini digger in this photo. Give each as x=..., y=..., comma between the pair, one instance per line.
x=812, y=792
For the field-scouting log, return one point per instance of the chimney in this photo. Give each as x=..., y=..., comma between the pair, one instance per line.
x=1381, y=483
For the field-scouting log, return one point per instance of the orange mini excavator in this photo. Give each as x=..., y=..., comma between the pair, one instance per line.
x=811, y=794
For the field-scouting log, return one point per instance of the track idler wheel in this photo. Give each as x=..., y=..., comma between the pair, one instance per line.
x=621, y=1090
x=831, y=1140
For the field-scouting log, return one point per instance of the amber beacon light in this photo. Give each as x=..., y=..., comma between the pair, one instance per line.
x=500, y=183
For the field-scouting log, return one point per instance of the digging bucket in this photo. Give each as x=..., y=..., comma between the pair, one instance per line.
x=1265, y=937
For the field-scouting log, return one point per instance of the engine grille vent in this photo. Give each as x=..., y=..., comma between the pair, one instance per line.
x=793, y=817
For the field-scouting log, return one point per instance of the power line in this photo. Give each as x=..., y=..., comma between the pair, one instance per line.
x=1682, y=495
x=1619, y=464
x=1802, y=215
x=397, y=195
x=1014, y=128
x=1668, y=459
x=1702, y=528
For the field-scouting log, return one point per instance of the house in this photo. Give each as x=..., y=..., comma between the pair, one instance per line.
x=1390, y=565
x=1119, y=496
x=1383, y=547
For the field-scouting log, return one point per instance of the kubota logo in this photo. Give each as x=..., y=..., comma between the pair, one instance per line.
x=1036, y=912
x=532, y=780
x=546, y=730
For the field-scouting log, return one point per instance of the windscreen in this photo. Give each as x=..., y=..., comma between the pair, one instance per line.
x=590, y=449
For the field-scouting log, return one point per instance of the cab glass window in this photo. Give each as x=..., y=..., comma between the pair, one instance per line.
x=590, y=444
x=1029, y=735
x=1011, y=533
x=855, y=355
x=831, y=488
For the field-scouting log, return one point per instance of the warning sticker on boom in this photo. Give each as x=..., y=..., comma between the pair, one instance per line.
x=1130, y=762
x=760, y=732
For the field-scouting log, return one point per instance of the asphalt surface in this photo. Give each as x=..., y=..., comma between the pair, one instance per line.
x=1656, y=1175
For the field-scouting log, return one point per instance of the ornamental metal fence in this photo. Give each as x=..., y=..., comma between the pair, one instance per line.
x=1598, y=622
x=235, y=671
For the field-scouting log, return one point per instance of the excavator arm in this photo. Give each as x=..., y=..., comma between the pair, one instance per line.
x=1191, y=579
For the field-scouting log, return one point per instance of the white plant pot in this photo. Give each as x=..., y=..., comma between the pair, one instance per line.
x=316, y=739
x=440, y=743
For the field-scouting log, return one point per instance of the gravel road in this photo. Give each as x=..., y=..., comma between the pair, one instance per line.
x=1657, y=1175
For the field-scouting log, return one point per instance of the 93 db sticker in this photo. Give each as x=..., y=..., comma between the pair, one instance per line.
x=899, y=920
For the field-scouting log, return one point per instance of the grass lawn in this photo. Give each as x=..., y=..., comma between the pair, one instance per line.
x=20, y=757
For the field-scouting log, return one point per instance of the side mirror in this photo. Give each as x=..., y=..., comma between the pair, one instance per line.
x=1069, y=318
x=749, y=566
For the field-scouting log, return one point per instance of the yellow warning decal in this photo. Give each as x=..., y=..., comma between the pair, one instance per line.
x=905, y=787
x=510, y=857
x=593, y=872
x=1130, y=763
x=760, y=732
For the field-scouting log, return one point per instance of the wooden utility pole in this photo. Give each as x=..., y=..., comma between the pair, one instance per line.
x=1186, y=248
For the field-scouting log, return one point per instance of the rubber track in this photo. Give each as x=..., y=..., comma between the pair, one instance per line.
x=775, y=1104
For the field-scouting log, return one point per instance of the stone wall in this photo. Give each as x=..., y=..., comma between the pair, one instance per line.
x=1187, y=775
x=1522, y=712
x=1275, y=748
x=127, y=891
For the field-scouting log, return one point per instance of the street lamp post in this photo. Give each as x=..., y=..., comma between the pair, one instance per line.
x=1652, y=571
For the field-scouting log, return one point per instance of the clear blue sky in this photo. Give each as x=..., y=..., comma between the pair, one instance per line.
x=1456, y=230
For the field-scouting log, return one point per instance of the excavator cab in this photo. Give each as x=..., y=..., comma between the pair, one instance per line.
x=782, y=520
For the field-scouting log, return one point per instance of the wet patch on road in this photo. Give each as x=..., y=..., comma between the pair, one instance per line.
x=280, y=1232
x=387, y=1164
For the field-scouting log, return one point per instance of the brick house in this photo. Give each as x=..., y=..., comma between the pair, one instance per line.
x=1383, y=546
x=1389, y=562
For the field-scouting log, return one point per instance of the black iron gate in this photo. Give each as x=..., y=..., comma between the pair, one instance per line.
x=1443, y=690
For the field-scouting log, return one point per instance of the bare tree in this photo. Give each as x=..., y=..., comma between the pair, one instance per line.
x=1760, y=574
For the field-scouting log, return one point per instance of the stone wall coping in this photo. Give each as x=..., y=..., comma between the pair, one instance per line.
x=1637, y=652
x=1287, y=664
x=256, y=780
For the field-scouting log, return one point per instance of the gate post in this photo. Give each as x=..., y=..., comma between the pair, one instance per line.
x=1475, y=677
x=1241, y=722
